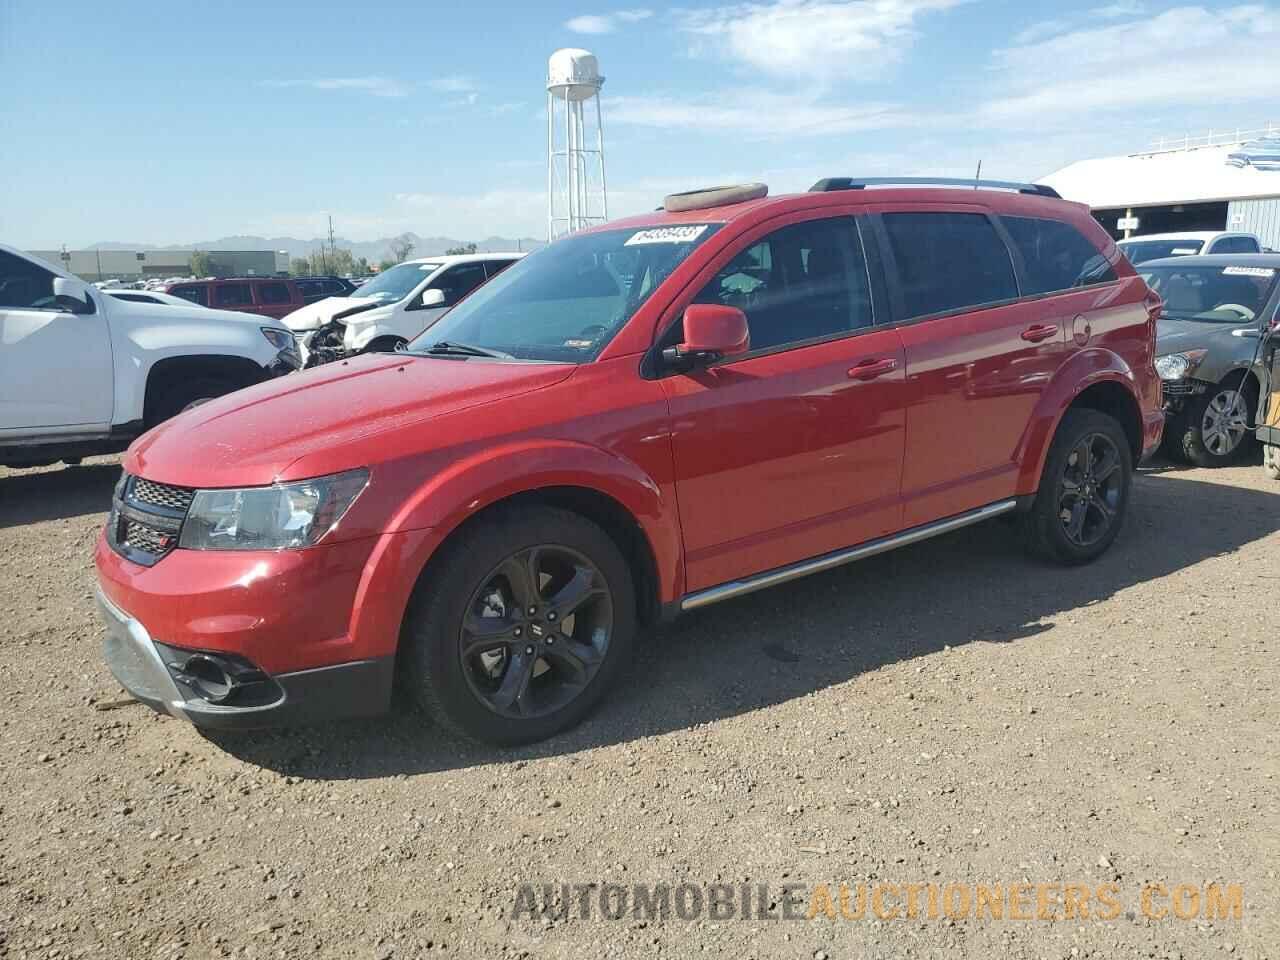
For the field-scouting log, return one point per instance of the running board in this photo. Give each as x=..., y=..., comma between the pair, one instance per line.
x=827, y=561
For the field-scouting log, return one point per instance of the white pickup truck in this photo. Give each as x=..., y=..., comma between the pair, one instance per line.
x=83, y=373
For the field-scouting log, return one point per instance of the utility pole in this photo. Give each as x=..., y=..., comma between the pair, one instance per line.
x=333, y=253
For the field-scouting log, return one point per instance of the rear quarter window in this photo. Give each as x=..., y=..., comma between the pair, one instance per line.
x=1056, y=256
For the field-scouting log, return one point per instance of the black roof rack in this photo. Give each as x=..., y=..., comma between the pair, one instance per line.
x=828, y=184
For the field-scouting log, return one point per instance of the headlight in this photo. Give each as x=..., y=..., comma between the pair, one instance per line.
x=1175, y=366
x=280, y=339
x=280, y=517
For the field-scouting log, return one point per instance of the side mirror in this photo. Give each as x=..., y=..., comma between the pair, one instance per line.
x=72, y=295
x=432, y=298
x=711, y=332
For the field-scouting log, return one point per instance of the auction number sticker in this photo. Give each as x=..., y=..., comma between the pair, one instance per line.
x=683, y=234
x=1265, y=272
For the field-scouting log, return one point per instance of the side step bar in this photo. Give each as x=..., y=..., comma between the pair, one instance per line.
x=827, y=561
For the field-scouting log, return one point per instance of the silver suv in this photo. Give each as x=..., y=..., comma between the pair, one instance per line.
x=1216, y=309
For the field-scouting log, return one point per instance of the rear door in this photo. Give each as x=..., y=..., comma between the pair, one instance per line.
x=273, y=298
x=977, y=359
x=233, y=295
x=55, y=366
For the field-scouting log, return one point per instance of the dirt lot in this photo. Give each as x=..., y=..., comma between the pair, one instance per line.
x=949, y=714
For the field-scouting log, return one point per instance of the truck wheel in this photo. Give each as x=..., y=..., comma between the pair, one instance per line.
x=184, y=396
x=1084, y=490
x=523, y=624
x=386, y=344
x=1215, y=427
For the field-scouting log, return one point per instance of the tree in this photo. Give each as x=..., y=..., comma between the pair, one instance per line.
x=200, y=264
x=300, y=267
x=462, y=250
x=384, y=265
x=401, y=247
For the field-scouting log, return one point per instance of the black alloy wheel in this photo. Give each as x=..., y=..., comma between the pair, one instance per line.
x=536, y=631
x=1090, y=489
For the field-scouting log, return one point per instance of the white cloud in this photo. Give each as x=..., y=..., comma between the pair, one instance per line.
x=1117, y=11
x=755, y=114
x=1185, y=56
x=814, y=38
x=1038, y=31
x=598, y=23
x=454, y=83
x=379, y=86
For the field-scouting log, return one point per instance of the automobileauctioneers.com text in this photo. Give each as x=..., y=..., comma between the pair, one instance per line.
x=878, y=900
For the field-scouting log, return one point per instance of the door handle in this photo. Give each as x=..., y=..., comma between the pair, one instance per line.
x=870, y=369
x=1041, y=331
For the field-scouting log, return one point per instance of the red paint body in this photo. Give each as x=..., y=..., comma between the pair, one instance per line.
x=268, y=296
x=762, y=460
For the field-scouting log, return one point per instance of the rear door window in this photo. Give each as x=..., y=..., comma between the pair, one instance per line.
x=273, y=293
x=1056, y=256
x=495, y=267
x=232, y=295
x=195, y=292
x=457, y=282
x=948, y=261
x=1235, y=245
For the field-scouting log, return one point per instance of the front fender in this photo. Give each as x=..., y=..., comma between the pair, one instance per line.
x=357, y=338
x=469, y=485
x=1084, y=370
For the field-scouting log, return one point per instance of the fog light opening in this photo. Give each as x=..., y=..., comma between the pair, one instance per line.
x=208, y=678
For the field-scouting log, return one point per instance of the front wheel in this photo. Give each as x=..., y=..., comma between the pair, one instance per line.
x=522, y=624
x=1215, y=427
x=1084, y=490
x=386, y=345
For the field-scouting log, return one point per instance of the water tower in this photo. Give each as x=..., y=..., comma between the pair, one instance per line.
x=575, y=144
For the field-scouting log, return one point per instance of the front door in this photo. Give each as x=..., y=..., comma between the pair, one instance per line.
x=795, y=448
x=55, y=366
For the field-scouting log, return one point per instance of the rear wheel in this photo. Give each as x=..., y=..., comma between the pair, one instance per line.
x=1084, y=490
x=522, y=625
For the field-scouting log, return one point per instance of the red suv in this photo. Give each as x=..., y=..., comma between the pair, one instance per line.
x=266, y=296
x=648, y=417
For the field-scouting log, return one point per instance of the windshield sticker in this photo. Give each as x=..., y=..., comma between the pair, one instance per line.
x=1184, y=251
x=667, y=235
x=1265, y=272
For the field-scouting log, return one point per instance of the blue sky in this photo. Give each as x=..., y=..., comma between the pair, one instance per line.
x=170, y=123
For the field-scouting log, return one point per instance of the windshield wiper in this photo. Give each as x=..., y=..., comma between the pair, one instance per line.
x=446, y=348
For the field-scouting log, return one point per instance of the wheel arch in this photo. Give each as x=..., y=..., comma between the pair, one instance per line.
x=169, y=371
x=1095, y=380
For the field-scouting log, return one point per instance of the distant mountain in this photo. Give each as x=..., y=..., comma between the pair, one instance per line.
x=372, y=250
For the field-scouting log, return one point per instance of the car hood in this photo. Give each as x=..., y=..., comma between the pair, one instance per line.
x=316, y=422
x=316, y=315
x=1175, y=336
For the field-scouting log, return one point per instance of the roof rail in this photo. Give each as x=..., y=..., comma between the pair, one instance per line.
x=828, y=184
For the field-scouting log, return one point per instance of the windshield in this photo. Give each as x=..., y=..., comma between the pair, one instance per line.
x=1140, y=251
x=392, y=286
x=1221, y=294
x=567, y=301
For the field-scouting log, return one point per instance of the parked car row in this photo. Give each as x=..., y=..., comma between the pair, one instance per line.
x=492, y=511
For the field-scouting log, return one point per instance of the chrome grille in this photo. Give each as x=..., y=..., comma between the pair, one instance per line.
x=138, y=536
x=161, y=494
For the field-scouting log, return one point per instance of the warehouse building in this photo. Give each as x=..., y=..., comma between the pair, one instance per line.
x=94, y=265
x=1215, y=182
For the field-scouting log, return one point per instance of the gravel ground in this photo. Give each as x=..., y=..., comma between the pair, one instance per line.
x=950, y=713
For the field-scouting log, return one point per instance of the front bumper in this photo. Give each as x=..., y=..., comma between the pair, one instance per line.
x=158, y=675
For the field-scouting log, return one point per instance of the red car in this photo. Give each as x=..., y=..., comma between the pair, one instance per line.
x=640, y=419
x=266, y=296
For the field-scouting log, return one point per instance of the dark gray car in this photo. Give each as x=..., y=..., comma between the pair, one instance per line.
x=1215, y=310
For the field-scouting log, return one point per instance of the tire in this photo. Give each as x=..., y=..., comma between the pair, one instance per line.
x=1194, y=444
x=183, y=396
x=385, y=344
x=470, y=695
x=1049, y=524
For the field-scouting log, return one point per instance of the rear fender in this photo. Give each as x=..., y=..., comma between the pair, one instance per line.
x=1082, y=371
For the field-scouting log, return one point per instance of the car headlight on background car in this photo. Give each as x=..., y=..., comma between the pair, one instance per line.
x=280, y=517
x=280, y=339
x=1176, y=366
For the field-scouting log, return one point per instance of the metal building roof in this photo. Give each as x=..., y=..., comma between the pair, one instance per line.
x=1165, y=177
